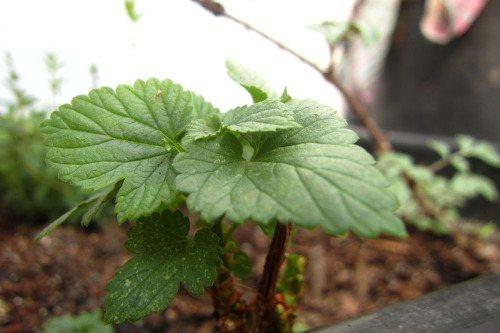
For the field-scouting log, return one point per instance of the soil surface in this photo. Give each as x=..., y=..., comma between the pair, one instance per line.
x=67, y=271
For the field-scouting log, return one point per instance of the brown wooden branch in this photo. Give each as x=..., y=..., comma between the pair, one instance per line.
x=380, y=140
x=276, y=42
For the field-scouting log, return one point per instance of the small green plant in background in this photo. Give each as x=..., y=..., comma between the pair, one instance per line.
x=28, y=188
x=275, y=162
x=430, y=200
x=94, y=75
x=84, y=322
x=22, y=100
x=338, y=32
x=54, y=65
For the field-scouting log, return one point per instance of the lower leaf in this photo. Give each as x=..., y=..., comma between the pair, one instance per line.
x=165, y=259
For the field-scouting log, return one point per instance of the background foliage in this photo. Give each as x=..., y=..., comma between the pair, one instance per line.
x=29, y=189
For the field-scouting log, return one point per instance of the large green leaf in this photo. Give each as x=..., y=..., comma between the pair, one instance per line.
x=164, y=259
x=107, y=136
x=310, y=175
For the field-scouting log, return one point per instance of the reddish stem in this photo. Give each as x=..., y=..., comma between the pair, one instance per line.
x=265, y=302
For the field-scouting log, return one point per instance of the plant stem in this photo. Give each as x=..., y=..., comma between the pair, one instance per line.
x=169, y=143
x=255, y=152
x=267, y=286
x=444, y=162
x=428, y=207
x=380, y=140
x=229, y=233
x=229, y=307
x=278, y=43
x=439, y=164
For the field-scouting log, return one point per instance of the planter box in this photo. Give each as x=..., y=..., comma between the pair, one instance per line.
x=468, y=307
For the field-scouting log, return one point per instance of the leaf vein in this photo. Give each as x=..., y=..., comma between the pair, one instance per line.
x=130, y=116
x=110, y=161
x=308, y=190
x=270, y=195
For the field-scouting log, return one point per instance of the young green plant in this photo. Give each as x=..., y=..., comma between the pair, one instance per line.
x=275, y=162
x=430, y=200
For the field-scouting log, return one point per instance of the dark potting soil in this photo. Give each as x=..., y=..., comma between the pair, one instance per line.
x=67, y=271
